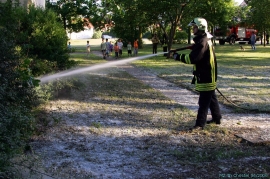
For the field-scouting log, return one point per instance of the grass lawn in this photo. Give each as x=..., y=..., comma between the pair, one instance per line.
x=243, y=76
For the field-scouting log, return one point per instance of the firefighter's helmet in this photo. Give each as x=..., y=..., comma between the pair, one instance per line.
x=201, y=23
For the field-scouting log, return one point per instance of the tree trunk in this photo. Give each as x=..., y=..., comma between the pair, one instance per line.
x=65, y=24
x=264, y=38
x=140, y=38
x=170, y=37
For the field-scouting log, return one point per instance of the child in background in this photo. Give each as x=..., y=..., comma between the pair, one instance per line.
x=108, y=44
x=69, y=47
x=87, y=48
x=136, y=46
x=120, y=45
x=116, y=50
x=129, y=47
x=111, y=47
x=103, y=48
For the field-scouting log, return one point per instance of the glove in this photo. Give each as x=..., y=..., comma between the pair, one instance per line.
x=176, y=56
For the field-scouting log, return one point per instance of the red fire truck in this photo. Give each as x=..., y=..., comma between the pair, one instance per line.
x=235, y=33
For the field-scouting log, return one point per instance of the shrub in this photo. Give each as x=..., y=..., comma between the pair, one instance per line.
x=41, y=37
x=20, y=32
x=17, y=96
x=97, y=35
x=48, y=38
x=181, y=37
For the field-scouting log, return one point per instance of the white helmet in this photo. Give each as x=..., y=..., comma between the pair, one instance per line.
x=201, y=23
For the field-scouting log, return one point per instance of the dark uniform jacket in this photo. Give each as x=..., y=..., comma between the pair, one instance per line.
x=205, y=64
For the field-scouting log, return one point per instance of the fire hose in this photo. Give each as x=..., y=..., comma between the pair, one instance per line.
x=183, y=48
x=255, y=110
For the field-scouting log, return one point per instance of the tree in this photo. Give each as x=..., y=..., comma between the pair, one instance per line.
x=259, y=15
x=101, y=15
x=71, y=13
x=216, y=12
x=134, y=17
x=128, y=19
x=172, y=16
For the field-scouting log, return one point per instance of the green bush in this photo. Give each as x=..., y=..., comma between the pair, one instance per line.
x=49, y=38
x=17, y=96
x=32, y=42
x=97, y=35
x=58, y=89
x=42, y=38
x=181, y=37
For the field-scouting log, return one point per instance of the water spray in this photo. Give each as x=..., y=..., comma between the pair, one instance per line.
x=45, y=79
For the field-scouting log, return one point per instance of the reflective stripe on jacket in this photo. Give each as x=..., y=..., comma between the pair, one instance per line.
x=205, y=64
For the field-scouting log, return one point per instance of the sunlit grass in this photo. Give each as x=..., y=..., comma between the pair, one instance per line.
x=240, y=73
x=83, y=60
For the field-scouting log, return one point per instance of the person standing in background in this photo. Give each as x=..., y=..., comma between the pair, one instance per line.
x=103, y=48
x=87, y=49
x=111, y=47
x=108, y=45
x=253, y=40
x=129, y=47
x=69, y=47
x=116, y=50
x=136, y=47
x=155, y=42
x=120, y=45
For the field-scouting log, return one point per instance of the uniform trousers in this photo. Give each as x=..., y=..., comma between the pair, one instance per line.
x=207, y=99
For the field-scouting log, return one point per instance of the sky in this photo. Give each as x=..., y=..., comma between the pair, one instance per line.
x=238, y=1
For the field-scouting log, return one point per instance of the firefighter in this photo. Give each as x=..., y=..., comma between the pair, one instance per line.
x=204, y=63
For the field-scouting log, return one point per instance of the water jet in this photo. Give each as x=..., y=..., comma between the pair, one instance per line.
x=66, y=73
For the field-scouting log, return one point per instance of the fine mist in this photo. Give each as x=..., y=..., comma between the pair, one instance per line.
x=66, y=73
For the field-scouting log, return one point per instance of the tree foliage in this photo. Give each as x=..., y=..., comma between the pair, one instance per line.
x=71, y=13
x=171, y=14
x=165, y=17
x=258, y=15
x=129, y=19
x=216, y=12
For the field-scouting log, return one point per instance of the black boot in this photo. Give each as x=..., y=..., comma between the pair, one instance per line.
x=213, y=121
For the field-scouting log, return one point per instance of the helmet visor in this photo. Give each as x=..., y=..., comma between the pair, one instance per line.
x=192, y=23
